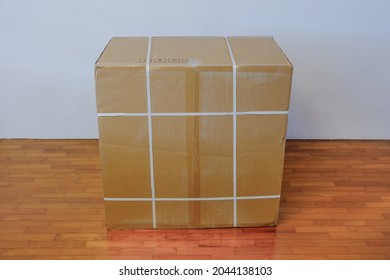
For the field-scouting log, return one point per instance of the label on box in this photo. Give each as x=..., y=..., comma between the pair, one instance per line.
x=165, y=60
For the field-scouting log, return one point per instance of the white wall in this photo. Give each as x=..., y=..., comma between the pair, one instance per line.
x=340, y=50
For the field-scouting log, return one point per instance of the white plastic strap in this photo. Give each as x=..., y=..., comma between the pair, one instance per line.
x=147, y=68
x=192, y=114
x=234, y=133
x=191, y=199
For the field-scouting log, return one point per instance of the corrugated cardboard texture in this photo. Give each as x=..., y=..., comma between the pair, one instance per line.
x=124, y=52
x=194, y=214
x=124, y=154
x=193, y=51
x=127, y=96
x=257, y=51
x=193, y=156
x=260, y=154
x=264, y=74
x=257, y=212
x=128, y=214
x=193, y=184
x=191, y=90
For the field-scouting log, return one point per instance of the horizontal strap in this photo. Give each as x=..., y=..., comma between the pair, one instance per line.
x=192, y=114
x=191, y=198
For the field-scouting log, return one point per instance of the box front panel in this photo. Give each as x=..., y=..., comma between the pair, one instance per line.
x=128, y=214
x=193, y=156
x=187, y=89
x=215, y=91
x=194, y=214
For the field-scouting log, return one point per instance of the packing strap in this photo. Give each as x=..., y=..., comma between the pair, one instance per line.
x=191, y=198
x=151, y=159
x=192, y=114
x=234, y=133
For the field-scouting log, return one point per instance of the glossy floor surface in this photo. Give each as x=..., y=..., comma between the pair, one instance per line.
x=335, y=205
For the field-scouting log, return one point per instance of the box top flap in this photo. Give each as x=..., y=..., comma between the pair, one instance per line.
x=257, y=51
x=124, y=51
x=192, y=52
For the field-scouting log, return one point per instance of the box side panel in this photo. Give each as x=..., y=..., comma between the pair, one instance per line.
x=121, y=90
x=128, y=214
x=124, y=154
x=260, y=154
x=257, y=212
x=263, y=88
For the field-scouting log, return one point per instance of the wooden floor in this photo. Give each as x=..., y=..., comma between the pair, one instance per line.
x=335, y=205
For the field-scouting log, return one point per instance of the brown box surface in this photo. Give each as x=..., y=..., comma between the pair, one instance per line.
x=194, y=138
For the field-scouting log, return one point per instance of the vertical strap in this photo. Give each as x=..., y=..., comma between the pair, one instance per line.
x=234, y=133
x=147, y=68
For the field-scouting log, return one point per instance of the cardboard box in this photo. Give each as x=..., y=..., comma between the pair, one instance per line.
x=194, y=138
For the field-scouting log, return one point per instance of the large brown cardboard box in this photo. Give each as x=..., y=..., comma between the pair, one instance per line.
x=192, y=131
